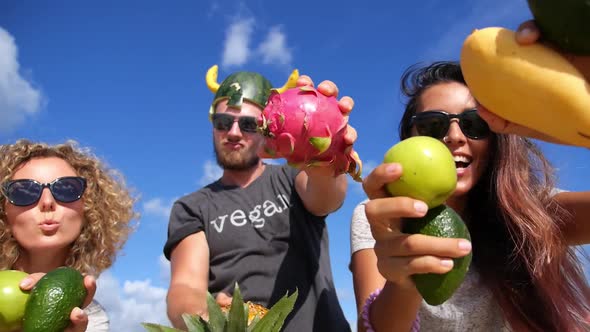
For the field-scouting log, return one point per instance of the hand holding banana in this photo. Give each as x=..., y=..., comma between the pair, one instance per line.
x=527, y=88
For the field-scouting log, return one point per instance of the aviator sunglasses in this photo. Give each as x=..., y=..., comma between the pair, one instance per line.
x=436, y=124
x=25, y=192
x=224, y=121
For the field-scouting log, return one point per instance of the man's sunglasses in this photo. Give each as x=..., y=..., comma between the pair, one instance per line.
x=224, y=121
x=25, y=192
x=436, y=124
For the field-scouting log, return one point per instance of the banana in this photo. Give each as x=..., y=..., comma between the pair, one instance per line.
x=211, y=78
x=291, y=81
x=532, y=85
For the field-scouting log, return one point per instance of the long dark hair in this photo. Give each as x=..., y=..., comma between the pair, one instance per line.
x=516, y=225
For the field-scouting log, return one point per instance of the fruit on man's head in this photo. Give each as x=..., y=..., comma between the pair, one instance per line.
x=428, y=170
x=12, y=300
x=243, y=86
x=307, y=128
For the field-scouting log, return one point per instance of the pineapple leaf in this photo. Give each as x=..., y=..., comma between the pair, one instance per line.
x=238, y=313
x=195, y=323
x=274, y=319
x=217, y=319
x=151, y=327
x=252, y=325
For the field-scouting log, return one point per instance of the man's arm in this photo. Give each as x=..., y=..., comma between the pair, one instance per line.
x=321, y=193
x=189, y=264
x=577, y=204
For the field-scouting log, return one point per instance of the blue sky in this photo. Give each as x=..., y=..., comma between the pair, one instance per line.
x=126, y=78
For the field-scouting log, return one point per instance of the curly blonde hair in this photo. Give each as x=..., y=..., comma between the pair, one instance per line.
x=108, y=205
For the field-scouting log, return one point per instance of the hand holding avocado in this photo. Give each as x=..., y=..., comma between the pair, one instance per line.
x=403, y=249
x=41, y=309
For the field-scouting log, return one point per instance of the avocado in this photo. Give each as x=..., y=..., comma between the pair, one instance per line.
x=52, y=299
x=440, y=221
x=565, y=23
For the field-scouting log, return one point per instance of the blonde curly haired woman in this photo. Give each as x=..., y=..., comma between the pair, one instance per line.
x=62, y=206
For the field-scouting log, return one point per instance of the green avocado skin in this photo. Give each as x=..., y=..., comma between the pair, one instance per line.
x=52, y=300
x=565, y=23
x=440, y=221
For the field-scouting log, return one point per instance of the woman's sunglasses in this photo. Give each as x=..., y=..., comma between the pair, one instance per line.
x=25, y=192
x=436, y=124
x=224, y=121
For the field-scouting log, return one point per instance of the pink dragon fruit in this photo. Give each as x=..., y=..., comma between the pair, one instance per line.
x=307, y=128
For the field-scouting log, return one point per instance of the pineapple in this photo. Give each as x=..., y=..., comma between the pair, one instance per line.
x=237, y=317
x=254, y=310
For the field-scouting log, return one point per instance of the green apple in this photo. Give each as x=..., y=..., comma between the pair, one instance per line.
x=428, y=170
x=12, y=300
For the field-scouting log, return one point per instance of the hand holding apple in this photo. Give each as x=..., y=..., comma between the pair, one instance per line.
x=429, y=172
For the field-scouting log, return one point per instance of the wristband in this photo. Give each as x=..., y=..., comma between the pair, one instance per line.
x=367, y=307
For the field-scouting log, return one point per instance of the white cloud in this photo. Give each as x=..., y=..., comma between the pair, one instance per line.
x=156, y=207
x=236, y=49
x=211, y=172
x=129, y=305
x=273, y=49
x=18, y=98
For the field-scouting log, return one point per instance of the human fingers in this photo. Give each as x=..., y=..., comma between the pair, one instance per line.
x=527, y=33
x=79, y=321
x=351, y=135
x=223, y=299
x=388, y=212
x=90, y=284
x=374, y=183
x=406, y=245
x=346, y=104
x=398, y=269
x=304, y=80
x=30, y=281
x=328, y=88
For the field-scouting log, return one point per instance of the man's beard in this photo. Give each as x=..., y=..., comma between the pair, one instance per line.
x=239, y=160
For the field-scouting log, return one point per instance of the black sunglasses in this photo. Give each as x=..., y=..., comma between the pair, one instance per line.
x=436, y=124
x=224, y=121
x=25, y=192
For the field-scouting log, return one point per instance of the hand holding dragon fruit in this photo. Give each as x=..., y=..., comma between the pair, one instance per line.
x=308, y=129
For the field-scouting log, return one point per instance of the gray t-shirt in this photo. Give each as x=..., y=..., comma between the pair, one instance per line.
x=263, y=238
x=471, y=308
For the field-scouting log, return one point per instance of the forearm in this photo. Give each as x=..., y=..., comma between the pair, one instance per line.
x=577, y=230
x=325, y=194
x=184, y=299
x=395, y=309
